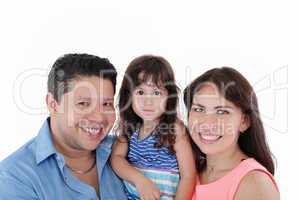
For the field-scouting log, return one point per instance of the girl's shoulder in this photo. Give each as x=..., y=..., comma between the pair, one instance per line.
x=180, y=128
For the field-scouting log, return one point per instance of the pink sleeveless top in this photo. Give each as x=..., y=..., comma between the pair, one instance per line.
x=226, y=187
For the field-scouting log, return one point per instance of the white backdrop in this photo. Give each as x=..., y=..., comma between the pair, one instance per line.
x=259, y=38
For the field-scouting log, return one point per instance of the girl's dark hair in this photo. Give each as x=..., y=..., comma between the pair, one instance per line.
x=159, y=71
x=236, y=89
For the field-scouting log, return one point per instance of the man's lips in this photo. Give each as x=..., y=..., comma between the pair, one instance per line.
x=91, y=130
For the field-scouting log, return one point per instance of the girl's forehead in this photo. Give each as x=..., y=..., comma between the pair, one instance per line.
x=149, y=85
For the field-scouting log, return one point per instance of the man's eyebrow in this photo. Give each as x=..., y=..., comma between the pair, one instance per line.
x=108, y=99
x=83, y=98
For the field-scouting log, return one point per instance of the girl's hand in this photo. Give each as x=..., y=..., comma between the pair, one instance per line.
x=147, y=189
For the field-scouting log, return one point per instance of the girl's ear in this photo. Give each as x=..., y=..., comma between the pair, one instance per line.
x=51, y=103
x=245, y=123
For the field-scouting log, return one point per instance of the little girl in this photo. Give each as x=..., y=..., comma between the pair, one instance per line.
x=153, y=154
x=232, y=156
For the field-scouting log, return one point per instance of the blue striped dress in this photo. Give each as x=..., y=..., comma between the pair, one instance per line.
x=158, y=164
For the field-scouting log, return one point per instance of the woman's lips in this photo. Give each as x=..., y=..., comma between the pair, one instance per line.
x=209, y=138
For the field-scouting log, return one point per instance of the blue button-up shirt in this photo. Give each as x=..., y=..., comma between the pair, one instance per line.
x=37, y=171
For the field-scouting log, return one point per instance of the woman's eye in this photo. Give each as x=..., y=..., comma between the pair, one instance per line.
x=222, y=112
x=198, y=109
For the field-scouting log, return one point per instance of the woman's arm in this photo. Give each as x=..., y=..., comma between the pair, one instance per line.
x=145, y=187
x=186, y=163
x=257, y=185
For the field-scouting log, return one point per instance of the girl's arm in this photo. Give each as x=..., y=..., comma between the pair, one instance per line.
x=145, y=187
x=186, y=163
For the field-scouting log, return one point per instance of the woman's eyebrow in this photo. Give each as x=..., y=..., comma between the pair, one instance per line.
x=218, y=107
x=198, y=104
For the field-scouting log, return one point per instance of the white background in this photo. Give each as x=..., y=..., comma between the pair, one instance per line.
x=259, y=38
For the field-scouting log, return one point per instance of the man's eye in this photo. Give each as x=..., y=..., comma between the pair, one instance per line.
x=84, y=104
x=222, y=112
x=108, y=104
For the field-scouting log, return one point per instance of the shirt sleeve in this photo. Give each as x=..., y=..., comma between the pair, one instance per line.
x=11, y=187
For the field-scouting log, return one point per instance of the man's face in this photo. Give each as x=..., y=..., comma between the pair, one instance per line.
x=86, y=113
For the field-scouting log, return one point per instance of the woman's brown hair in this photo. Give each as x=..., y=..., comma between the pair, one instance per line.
x=236, y=89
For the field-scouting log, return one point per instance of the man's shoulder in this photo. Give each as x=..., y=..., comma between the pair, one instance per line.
x=21, y=159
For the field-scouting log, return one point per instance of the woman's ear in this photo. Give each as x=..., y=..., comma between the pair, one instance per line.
x=51, y=103
x=245, y=123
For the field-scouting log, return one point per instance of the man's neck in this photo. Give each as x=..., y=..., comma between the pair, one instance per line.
x=65, y=149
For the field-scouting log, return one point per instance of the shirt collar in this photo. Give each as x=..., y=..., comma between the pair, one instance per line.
x=44, y=144
x=45, y=148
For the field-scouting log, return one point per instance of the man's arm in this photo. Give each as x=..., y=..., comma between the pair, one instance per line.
x=12, y=188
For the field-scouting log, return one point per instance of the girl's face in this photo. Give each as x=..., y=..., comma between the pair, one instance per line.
x=214, y=122
x=149, y=101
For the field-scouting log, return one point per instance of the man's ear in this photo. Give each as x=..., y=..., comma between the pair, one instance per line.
x=51, y=103
x=245, y=123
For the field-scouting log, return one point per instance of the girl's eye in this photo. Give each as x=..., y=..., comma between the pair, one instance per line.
x=198, y=109
x=157, y=92
x=83, y=104
x=222, y=112
x=140, y=92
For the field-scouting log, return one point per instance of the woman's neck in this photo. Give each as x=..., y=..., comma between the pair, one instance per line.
x=224, y=161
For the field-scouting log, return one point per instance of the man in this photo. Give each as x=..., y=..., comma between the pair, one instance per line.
x=69, y=158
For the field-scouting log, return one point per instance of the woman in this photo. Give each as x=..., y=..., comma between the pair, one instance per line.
x=232, y=157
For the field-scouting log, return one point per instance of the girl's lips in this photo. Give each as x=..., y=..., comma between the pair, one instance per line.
x=148, y=110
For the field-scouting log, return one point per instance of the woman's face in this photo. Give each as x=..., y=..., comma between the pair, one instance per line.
x=214, y=122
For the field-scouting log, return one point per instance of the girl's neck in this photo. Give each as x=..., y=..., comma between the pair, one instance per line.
x=148, y=127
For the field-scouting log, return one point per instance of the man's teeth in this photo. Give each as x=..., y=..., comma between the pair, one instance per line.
x=93, y=131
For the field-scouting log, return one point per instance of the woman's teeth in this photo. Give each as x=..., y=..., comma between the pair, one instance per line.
x=210, y=138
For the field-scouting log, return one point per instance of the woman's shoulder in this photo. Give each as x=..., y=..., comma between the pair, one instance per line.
x=257, y=184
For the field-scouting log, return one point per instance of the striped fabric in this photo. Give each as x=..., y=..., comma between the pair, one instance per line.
x=158, y=164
